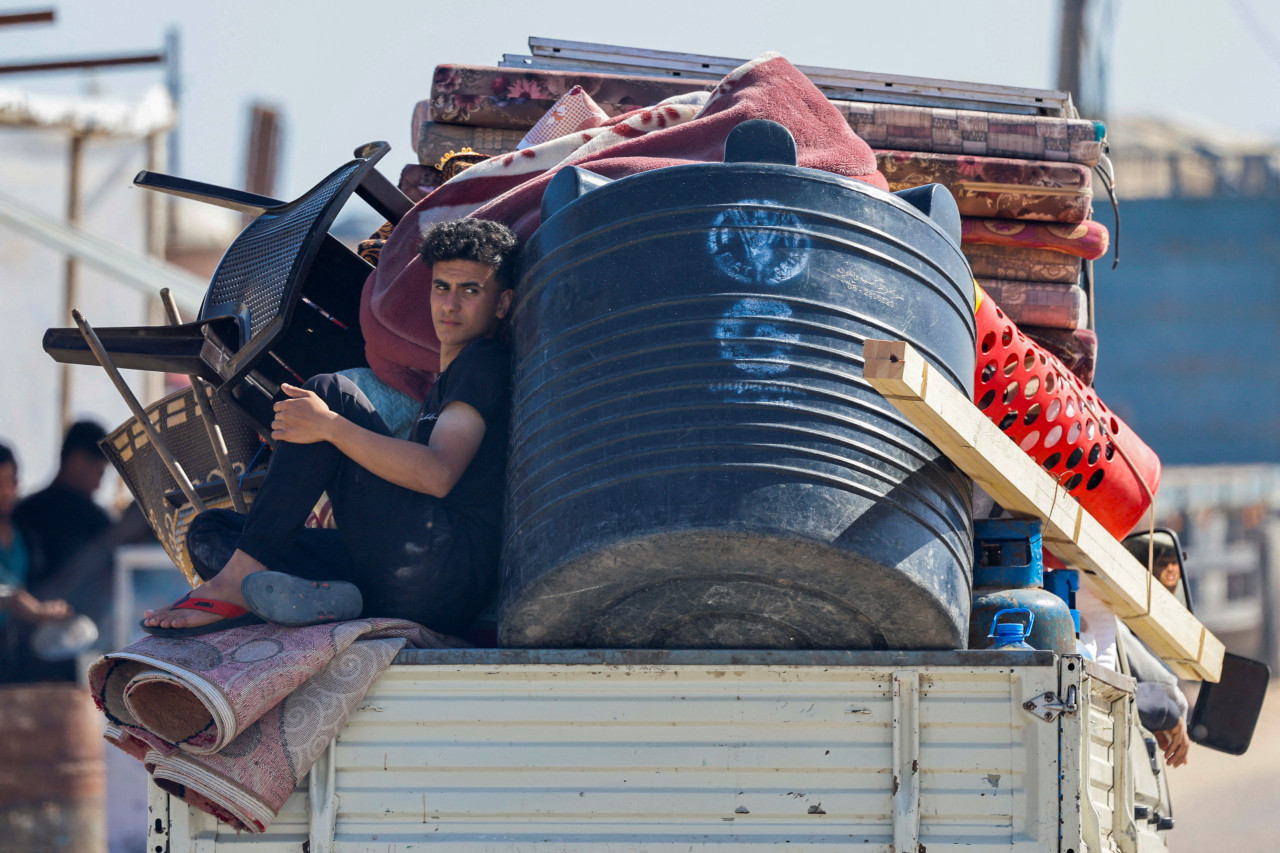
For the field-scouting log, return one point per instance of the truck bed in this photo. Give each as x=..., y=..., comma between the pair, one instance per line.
x=568, y=750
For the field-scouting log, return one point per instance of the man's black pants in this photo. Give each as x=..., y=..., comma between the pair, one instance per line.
x=401, y=548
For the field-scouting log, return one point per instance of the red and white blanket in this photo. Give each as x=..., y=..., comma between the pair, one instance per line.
x=400, y=342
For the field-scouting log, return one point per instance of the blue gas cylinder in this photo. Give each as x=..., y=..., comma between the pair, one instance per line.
x=1010, y=636
x=1008, y=574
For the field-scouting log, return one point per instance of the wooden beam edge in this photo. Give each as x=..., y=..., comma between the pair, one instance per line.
x=1018, y=483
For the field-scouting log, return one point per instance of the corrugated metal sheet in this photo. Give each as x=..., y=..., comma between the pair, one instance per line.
x=658, y=757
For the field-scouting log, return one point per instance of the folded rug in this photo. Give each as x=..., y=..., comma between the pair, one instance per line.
x=230, y=722
x=997, y=187
x=949, y=131
x=1060, y=306
x=400, y=342
x=1088, y=239
x=517, y=98
x=1018, y=264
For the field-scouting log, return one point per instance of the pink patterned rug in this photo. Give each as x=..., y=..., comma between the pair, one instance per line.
x=231, y=721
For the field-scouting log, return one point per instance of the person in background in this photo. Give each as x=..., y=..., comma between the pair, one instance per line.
x=63, y=516
x=19, y=556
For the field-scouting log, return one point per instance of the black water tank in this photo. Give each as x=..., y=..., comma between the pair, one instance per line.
x=696, y=461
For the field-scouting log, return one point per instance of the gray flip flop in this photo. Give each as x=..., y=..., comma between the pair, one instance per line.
x=283, y=599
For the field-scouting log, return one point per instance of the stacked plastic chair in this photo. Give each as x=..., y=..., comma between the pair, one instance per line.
x=284, y=302
x=283, y=305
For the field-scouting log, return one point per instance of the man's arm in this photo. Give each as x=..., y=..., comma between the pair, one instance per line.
x=28, y=608
x=433, y=469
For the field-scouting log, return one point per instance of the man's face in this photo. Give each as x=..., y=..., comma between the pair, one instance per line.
x=466, y=302
x=83, y=471
x=1169, y=574
x=8, y=489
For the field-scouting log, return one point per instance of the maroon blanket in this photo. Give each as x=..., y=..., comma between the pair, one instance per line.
x=1077, y=349
x=400, y=342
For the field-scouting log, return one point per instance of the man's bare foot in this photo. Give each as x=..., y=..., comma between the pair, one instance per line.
x=224, y=586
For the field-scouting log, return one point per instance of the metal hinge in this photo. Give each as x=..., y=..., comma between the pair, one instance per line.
x=1048, y=707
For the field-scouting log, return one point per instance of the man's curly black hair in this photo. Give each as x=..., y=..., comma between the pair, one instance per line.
x=480, y=240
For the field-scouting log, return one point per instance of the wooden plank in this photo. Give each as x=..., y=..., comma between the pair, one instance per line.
x=1051, y=101
x=1015, y=481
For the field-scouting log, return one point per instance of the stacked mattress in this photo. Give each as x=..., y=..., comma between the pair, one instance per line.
x=1025, y=192
x=1023, y=182
x=490, y=110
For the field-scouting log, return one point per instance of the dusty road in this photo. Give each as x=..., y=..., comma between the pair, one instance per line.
x=1231, y=803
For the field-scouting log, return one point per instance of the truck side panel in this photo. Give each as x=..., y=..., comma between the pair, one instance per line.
x=542, y=757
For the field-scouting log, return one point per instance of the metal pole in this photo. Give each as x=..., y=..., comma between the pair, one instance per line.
x=71, y=269
x=173, y=82
x=1071, y=46
x=205, y=404
x=81, y=63
x=162, y=449
x=39, y=16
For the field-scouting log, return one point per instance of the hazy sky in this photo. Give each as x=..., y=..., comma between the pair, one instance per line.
x=346, y=73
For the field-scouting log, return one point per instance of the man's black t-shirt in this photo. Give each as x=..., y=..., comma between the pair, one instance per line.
x=479, y=376
x=63, y=521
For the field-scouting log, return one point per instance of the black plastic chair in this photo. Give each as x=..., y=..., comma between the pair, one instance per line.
x=284, y=302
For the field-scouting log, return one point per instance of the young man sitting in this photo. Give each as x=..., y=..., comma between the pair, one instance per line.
x=418, y=521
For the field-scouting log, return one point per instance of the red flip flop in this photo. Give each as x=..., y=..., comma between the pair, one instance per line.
x=233, y=616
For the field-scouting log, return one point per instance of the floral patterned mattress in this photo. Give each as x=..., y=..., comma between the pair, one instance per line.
x=996, y=187
x=1037, y=303
x=515, y=98
x=1004, y=262
x=947, y=131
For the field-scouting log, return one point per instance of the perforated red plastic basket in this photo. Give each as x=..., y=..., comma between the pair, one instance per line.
x=1061, y=423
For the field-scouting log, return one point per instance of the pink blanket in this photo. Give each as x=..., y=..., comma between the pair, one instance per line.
x=231, y=721
x=399, y=339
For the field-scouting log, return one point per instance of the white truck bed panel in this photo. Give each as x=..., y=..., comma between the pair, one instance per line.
x=662, y=751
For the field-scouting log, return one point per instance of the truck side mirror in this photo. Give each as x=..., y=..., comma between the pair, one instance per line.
x=1227, y=712
x=1162, y=546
